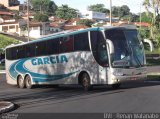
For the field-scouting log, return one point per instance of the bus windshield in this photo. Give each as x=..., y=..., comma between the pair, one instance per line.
x=128, y=52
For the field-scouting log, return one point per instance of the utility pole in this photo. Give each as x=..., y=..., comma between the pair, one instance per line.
x=110, y=12
x=140, y=18
x=28, y=18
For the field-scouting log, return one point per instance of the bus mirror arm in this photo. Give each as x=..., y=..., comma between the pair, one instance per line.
x=111, y=46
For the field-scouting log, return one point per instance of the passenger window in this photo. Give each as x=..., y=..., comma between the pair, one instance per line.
x=20, y=52
x=52, y=46
x=41, y=48
x=30, y=50
x=66, y=44
x=81, y=42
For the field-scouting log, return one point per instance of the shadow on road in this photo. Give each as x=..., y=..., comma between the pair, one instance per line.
x=42, y=95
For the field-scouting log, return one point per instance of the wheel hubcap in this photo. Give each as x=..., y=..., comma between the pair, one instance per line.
x=85, y=82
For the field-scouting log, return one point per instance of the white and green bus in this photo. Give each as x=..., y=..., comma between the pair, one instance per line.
x=93, y=56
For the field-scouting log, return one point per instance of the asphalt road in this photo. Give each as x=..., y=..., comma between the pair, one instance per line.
x=131, y=97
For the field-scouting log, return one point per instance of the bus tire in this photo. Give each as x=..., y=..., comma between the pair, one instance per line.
x=116, y=86
x=28, y=82
x=20, y=82
x=85, y=82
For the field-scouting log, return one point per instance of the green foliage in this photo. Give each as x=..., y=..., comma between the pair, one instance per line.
x=65, y=12
x=44, y=6
x=134, y=18
x=39, y=17
x=23, y=27
x=115, y=11
x=85, y=22
x=98, y=8
x=144, y=33
x=51, y=8
x=146, y=17
x=157, y=23
x=5, y=41
x=124, y=10
x=120, y=11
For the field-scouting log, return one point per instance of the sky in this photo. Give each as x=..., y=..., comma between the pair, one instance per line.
x=81, y=5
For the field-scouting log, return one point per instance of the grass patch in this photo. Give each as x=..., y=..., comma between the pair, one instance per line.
x=2, y=67
x=153, y=77
x=5, y=41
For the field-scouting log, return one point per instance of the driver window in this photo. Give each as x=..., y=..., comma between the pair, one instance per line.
x=99, y=48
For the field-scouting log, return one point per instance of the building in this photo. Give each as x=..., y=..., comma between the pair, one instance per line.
x=36, y=30
x=98, y=16
x=10, y=4
x=5, y=15
x=10, y=26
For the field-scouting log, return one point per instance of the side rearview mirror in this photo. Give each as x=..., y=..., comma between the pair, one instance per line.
x=111, y=46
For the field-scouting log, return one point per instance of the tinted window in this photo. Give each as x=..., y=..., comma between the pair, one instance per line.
x=30, y=50
x=81, y=42
x=52, y=46
x=99, y=48
x=20, y=52
x=121, y=49
x=11, y=53
x=66, y=44
x=41, y=48
x=8, y=54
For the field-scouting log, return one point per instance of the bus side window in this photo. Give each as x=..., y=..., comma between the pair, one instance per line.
x=99, y=48
x=52, y=46
x=30, y=50
x=81, y=42
x=13, y=53
x=8, y=53
x=41, y=48
x=66, y=44
x=20, y=52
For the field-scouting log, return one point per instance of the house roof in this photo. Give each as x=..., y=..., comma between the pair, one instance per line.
x=144, y=24
x=35, y=24
x=6, y=13
x=74, y=27
x=7, y=23
x=71, y=21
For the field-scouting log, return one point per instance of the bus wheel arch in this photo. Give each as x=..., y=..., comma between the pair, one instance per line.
x=20, y=82
x=84, y=80
x=28, y=81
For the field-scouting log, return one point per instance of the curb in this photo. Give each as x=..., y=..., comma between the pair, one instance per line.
x=5, y=106
x=154, y=73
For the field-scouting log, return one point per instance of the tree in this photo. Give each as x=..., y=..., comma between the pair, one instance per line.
x=124, y=10
x=5, y=41
x=39, y=17
x=44, y=6
x=66, y=12
x=85, y=22
x=120, y=11
x=146, y=18
x=52, y=7
x=134, y=18
x=98, y=8
x=116, y=11
x=152, y=6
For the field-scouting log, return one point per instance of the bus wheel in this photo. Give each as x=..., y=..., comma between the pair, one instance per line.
x=85, y=82
x=116, y=86
x=28, y=82
x=20, y=82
